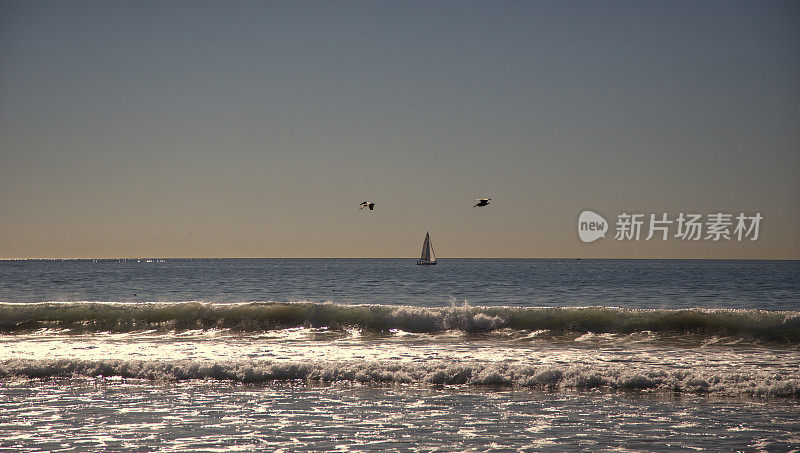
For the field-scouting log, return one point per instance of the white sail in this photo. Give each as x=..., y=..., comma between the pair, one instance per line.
x=427, y=251
x=426, y=248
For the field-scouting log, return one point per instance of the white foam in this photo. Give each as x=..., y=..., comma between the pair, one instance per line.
x=549, y=377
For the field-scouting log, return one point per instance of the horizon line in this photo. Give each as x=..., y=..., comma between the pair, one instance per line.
x=575, y=258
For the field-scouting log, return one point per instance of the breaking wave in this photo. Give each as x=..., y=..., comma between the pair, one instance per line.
x=545, y=377
x=759, y=325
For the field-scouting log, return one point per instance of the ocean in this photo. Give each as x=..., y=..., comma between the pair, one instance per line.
x=383, y=355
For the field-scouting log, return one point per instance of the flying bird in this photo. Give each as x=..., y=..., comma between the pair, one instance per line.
x=481, y=202
x=367, y=204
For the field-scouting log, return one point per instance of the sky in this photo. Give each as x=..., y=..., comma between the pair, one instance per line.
x=254, y=129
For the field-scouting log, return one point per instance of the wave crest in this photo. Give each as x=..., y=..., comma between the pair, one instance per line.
x=775, y=326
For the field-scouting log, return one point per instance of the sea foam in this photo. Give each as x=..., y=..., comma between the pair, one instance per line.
x=545, y=377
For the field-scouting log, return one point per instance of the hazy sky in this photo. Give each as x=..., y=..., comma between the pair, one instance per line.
x=254, y=129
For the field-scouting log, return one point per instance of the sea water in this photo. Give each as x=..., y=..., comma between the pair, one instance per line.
x=381, y=354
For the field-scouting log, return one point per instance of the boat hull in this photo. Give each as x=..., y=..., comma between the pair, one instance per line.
x=428, y=263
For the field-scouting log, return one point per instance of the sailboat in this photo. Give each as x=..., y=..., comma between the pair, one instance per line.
x=427, y=251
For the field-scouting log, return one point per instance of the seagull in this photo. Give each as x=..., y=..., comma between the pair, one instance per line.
x=481, y=202
x=367, y=204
